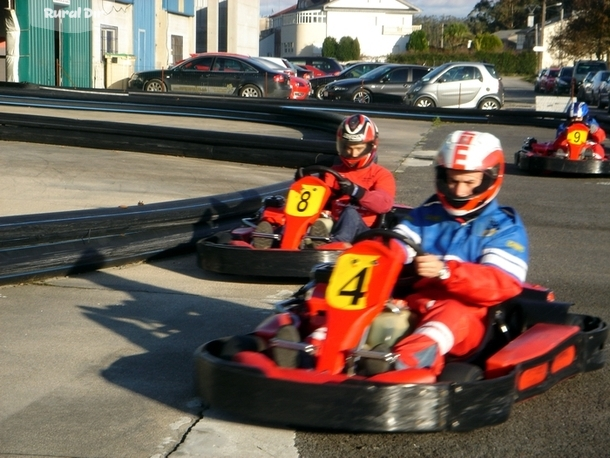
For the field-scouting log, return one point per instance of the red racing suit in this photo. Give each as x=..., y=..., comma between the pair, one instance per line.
x=378, y=191
x=487, y=261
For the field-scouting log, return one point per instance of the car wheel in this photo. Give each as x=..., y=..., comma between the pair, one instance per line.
x=155, y=86
x=460, y=373
x=250, y=91
x=425, y=102
x=362, y=96
x=318, y=92
x=489, y=104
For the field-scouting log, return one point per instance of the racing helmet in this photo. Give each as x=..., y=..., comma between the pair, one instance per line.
x=577, y=110
x=357, y=129
x=469, y=151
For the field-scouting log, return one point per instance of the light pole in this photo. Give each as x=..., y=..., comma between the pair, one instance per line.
x=542, y=21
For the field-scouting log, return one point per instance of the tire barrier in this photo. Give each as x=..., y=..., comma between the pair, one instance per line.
x=35, y=247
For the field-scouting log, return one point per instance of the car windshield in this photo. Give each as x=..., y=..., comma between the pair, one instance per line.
x=377, y=72
x=586, y=68
x=565, y=71
x=435, y=72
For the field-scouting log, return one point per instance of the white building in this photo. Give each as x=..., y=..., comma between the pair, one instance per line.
x=382, y=27
x=228, y=26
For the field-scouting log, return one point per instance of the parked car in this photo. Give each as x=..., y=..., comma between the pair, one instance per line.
x=217, y=74
x=584, y=91
x=547, y=80
x=537, y=81
x=320, y=65
x=294, y=69
x=599, y=80
x=353, y=71
x=301, y=88
x=604, y=94
x=564, y=82
x=582, y=67
x=387, y=83
x=458, y=85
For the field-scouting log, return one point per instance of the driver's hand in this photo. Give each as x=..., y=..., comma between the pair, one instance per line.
x=428, y=265
x=346, y=187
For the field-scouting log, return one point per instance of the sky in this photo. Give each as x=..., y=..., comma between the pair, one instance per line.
x=457, y=8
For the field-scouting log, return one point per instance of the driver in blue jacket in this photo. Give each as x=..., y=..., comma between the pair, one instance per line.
x=476, y=253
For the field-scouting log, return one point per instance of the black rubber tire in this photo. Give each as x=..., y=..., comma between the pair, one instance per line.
x=425, y=102
x=155, y=86
x=237, y=344
x=250, y=90
x=460, y=373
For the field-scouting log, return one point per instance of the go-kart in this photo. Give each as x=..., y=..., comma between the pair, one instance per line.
x=286, y=372
x=288, y=255
x=574, y=155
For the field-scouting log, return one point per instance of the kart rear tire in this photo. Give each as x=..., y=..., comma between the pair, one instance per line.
x=460, y=373
x=237, y=344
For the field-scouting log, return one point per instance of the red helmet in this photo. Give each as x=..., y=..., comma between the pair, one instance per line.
x=469, y=151
x=354, y=130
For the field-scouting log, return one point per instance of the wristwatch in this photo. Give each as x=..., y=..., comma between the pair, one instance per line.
x=444, y=273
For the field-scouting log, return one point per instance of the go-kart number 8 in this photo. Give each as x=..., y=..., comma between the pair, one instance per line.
x=306, y=202
x=349, y=283
x=577, y=137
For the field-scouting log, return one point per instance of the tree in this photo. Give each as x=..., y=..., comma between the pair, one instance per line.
x=329, y=47
x=348, y=49
x=488, y=42
x=456, y=35
x=587, y=32
x=418, y=41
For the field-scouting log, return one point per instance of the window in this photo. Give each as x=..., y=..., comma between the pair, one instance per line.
x=399, y=76
x=109, y=40
x=201, y=64
x=176, y=49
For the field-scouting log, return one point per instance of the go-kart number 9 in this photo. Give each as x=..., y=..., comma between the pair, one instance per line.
x=349, y=283
x=577, y=137
x=306, y=202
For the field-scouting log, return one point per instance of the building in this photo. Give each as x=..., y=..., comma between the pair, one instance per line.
x=228, y=26
x=382, y=27
x=94, y=43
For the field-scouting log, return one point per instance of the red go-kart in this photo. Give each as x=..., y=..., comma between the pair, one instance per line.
x=576, y=154
x=306, y=366
x=287, y=255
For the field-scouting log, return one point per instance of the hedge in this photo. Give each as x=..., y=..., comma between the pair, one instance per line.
x=506, y=63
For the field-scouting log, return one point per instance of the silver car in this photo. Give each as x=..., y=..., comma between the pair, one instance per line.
x=458, y=85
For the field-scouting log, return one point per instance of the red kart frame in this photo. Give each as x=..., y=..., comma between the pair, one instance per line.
x=531, y=344
x=232, y=252
x=573, y=155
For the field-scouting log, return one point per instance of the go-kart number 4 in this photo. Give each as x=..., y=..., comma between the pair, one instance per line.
x=578, y=136
x=349, y=283
x=306, y=202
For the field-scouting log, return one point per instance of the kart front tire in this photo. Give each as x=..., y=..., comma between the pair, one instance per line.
x=460, y=373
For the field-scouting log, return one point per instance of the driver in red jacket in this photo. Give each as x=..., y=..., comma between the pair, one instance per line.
x=366, y=190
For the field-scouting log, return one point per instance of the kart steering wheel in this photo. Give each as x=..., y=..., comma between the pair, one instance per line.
x=387, y=235
x=311, y=169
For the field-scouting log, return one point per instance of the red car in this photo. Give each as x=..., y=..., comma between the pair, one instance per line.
x=303, y=366
x=547, y=80
x=301, y=88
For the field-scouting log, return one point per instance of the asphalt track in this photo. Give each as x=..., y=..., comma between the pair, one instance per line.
x=99, y=364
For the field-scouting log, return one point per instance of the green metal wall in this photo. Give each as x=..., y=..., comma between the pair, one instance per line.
x=37, y=44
